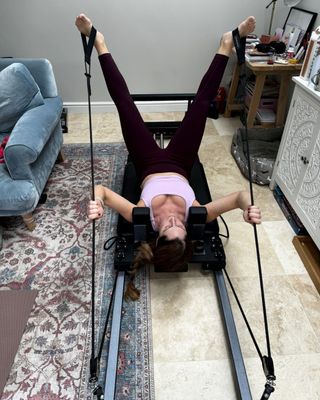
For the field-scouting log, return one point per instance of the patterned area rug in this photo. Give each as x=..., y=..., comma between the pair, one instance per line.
x=52, y=362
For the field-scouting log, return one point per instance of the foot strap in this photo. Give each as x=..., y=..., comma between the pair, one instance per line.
x=240, y=45
x=87, y=47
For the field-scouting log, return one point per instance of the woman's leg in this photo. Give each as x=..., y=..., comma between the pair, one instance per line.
x=137, y=137
x=185, y=144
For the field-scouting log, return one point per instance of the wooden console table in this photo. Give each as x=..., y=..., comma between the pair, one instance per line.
x=261, y=70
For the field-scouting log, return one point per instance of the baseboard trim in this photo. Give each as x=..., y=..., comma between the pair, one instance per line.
x=109, y=106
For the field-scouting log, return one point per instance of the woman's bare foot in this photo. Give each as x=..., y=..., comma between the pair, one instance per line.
x=84, y=25
x=245, y=27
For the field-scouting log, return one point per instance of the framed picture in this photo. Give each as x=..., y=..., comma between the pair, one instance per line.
x=297, y=26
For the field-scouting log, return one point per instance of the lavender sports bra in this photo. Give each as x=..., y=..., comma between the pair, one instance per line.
x=174, y=185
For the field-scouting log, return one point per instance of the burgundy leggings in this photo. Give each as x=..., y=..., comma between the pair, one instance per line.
x=181, y=153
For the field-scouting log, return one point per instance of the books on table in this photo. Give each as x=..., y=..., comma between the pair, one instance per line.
x=255, y=55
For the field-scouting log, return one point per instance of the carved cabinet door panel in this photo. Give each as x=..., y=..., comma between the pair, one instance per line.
x=308, y=197
x=297, y=164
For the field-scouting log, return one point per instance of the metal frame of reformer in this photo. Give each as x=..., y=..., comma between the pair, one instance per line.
x=208, y=252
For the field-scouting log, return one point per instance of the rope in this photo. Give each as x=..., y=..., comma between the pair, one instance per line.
x=227, y=235
x=87, y=47
x=95, y=361
x=244, y=316
x=108, y=316
x=264, y=308
x=267, y=362
x=93, y=364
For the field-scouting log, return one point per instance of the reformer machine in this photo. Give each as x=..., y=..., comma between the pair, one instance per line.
x=208, y=252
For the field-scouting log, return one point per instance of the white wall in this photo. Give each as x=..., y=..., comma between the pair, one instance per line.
x=159, y=45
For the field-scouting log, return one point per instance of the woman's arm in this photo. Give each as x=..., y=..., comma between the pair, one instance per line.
x=251, y=214
x=107, y=197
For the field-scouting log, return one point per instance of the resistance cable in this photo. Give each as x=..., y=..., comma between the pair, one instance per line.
x=267, y=362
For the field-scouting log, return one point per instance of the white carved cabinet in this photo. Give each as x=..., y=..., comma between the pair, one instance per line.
x=297, y=167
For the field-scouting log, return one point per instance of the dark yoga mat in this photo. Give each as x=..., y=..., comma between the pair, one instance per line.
x=15, y=307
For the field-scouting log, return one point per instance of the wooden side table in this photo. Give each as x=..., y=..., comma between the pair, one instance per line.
x=261, y=70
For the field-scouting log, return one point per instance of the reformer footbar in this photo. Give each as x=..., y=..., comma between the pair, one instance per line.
x=208, y=251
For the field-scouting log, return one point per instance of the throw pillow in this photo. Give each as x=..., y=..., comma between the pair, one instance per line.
x=18, y=93
x=2, y=147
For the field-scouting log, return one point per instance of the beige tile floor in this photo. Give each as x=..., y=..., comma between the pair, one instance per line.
x=189, y=348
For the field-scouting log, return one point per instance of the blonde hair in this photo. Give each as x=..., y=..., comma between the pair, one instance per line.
x=166, y=255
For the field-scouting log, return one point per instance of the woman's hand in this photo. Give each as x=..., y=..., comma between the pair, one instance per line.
x=252, y=215
x=95, y=209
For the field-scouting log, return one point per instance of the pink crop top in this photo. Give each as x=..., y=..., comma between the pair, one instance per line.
x=174, y=185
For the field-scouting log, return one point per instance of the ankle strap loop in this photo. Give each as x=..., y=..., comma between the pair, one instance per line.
x=87, y=47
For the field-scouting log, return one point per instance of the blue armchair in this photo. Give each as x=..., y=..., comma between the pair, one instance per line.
x=30, y=111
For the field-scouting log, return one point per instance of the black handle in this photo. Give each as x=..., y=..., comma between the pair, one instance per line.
x=268, y=390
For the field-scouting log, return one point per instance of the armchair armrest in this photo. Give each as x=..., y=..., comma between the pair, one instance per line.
x=29, y=136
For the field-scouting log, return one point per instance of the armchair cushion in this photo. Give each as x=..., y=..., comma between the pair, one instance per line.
x=19, y=93
x=29, y=136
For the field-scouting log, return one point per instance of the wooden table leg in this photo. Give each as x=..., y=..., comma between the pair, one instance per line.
x=255, y=100
x=282, y=99
x=232, y=91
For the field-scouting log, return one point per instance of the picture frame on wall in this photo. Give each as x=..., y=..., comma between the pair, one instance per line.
x=297, y=27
